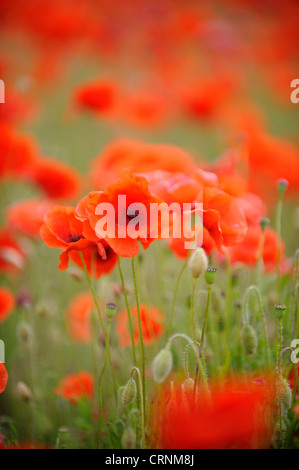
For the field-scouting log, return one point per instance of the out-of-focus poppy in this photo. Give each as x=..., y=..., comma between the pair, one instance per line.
x=238, y=416
x=27, y=216
x=3, y=377
x=76, y=386
x=62, y=229
x=12, y=256
x=58, y=180
x=118, y=222
x=98, y=96
x=145, y=109
x=248, y=250
x=78, y=317
x=152, y=324
x=7, y=303
x=140, y=157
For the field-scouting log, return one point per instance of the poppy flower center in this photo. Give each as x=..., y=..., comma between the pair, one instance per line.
x=73, y=238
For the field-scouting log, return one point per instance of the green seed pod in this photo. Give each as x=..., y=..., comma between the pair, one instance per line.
x=128, y=438
x=210, y=275
x=282, y=186
x=280, y=310
x=249, y=340
x=25, y=333
x=129, y=392
x=110, y=310
x=198, y=263
x=162, y=365
x=284, y=392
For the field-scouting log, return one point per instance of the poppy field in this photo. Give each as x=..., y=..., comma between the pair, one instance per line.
x=149, y=204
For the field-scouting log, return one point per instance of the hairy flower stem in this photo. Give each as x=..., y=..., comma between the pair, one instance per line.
x=278, y=368
x=228, y=296
x=100, y=382
x=192, y=310
x=94, y=296
x=128, y=311
x=142, y=407
x=201, y=368
x=293, y=309
x=260, y=261
x=205, y=321
x=140, y=334
x=175, y=295
x=255, y=290
x=278, y=231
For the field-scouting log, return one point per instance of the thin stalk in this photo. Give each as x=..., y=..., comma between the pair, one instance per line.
x=175, y=295
x=142, y=405
x=205, y=321
x=128, y=311
x=278, y=231
x=140, y=333
x=192, y=310
x=100, y=382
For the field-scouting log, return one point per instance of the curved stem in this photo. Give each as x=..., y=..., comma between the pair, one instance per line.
x=128, y=310
x=249, y=291
x=100, y=381
x=142, y=407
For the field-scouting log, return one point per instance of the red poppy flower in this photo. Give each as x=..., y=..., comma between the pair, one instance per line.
x=238, y=416
x=140, y=157
x=27, y=216
x=62, y=229
x=76, y=386
x=152, y=322
x=144, y=109
x=248, y=250
x=12, y=257
x=3, y=377
x=58, y=180
x=117, y=223
x=7, y=303
x=98, y=96
x=78, y=317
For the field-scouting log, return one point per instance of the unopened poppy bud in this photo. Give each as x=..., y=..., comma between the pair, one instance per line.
x=23, y=391
x=128, y=438
x=198, y=263
x=110, y=310
x=280, y=309
x=249, y=340
x=284, y=392
x=210, y=275
x=282, y=186
x=264, y=223
x=63, y=438
x=129, y=392
x=162, y=365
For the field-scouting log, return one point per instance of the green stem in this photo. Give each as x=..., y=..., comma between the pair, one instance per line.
x=94, y=296
x=128, y=311
x=100, y=381
x=205, y=321
x=175, y=295
x=292, y=311
x=142, y=405
x=192, y=310
x=140, y=333
x=261, y=312
x=260, y=262
x=278, y=231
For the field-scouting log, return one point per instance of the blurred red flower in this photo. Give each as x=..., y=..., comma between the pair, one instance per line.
x=12, y=256
x=3, y=377
x=27, y=216
x=78, y=317
x=152, y=323
x=7, y=303
x=75, y=386
x=238, y=416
